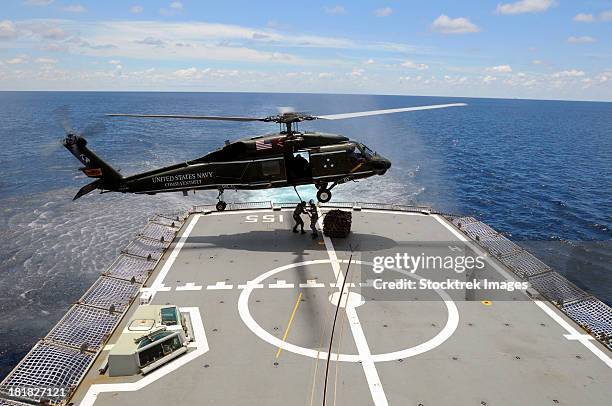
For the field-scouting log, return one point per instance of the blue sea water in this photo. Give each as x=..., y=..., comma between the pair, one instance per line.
x=539, y=171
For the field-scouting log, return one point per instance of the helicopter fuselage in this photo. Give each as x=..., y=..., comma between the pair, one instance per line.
x=266, y=162
x=269, y=161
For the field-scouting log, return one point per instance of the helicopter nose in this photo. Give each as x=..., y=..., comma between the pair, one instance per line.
x=381, y=165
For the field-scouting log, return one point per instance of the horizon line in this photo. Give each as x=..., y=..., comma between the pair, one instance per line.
x=312, y=93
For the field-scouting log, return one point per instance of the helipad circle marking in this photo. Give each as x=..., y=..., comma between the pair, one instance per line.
x=349, y=299
x=444, y=334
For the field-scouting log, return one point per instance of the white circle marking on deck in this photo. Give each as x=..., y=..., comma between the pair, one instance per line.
x=243, y=309
x=350, y=299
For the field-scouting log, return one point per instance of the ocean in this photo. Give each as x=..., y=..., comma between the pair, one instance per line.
x=538, y=171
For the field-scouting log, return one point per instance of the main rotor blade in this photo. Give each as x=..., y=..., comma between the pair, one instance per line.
x=222, y=118
x=387, y=111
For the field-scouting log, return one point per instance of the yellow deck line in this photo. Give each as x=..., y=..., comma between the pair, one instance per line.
x=295, y=307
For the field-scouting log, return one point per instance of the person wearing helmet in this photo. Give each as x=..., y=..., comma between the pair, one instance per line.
x=314, y=217
x=297, y=216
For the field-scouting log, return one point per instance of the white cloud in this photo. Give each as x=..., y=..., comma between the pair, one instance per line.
x=46, y=29
x=370, y=62
x=604, y=76
x=175, y=7
x=37, y=2
x=325, y=75
x=114, y=62
x=383, y=12
x=580, y=40
x=337, y=9
x=75, y=8
x=584, y=18
x=573, y=73
x=7, y=29
x=356, y=72
x=460, y=25
x=606, y=16
x=17, y=60
x=143, y=39
x=54, y=33
x=411, y=65
x=151, y=41
x=525, y=6
x=500, y=69
x=189, y=73
x=488, y=79
x=136, y=9
x=55, y=47
x=296, y=75
x=46, y=61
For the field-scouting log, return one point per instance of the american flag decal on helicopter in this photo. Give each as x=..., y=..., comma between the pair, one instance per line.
x=261, y=145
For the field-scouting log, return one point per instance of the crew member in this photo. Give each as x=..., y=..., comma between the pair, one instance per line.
x=297, y=216
x=301, y=166
x=314, y=217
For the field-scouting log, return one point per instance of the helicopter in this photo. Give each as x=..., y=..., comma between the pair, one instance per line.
x=284, y=159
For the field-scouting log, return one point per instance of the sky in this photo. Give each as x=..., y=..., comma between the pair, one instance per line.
x=538, y=49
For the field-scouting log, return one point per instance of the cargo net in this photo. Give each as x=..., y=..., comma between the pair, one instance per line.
x=6, y=402
x=131, y=268
x=164, y=221
x=478, y=230
x=594, y=316
x=159, y=233
x=498, y=245
x=524, y=264
x=84, y=328
x=337, y=223
x=461, y=222
x=146, y=248
x=174, y=215
x=107, y=292
x=48, y=372
x=556, y=288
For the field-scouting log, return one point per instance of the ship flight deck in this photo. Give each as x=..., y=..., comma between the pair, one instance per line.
x=261, y=302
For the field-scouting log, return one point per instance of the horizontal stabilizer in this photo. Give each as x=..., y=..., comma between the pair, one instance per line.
x=87, y=188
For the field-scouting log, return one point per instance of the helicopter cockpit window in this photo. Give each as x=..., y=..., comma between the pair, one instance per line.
x=362, y=152
x=367, y=152
x=357, y=152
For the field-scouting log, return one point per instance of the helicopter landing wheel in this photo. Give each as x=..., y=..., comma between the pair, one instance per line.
x=320, y=186
x=324, y=195
x=221, y=205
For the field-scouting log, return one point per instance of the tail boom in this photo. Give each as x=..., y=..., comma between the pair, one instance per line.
x=107, y=177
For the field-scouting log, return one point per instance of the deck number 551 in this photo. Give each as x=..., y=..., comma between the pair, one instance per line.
x=266, y=218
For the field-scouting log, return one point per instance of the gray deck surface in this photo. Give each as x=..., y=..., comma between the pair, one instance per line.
x=508, y=353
